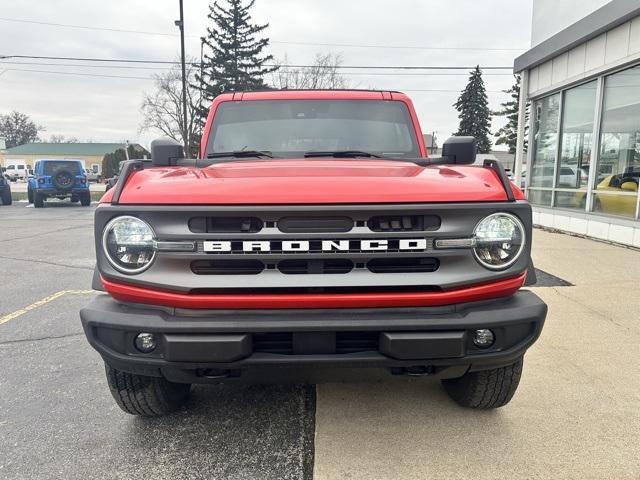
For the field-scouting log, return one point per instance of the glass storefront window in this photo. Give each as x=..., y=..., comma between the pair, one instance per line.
x=576, y=136
x=545, y=137
x=576, y=200
x=619, y=160
x=540, y=197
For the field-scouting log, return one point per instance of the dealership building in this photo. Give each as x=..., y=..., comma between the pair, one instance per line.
x=582, y=79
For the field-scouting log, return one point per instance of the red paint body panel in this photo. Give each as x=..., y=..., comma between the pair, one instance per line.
x=311, y=181
x=130, y=293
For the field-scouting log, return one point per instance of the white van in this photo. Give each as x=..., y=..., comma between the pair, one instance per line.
x=17, y=170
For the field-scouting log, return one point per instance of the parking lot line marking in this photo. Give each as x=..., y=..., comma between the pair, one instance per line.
x=10, y=316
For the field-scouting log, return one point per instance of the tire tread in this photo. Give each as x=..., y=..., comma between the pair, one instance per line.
x=145, y=396
x=485, y=389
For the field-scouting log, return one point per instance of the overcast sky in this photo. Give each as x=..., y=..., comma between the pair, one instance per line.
x=106, y=109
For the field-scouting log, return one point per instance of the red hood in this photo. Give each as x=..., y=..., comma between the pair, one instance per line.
x=311, y=181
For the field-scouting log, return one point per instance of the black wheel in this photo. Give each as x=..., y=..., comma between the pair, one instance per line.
x=85, y=199
x=6, y=196
x=38, y=200
x=30, y=195
x=145, y=396
x=485, y=389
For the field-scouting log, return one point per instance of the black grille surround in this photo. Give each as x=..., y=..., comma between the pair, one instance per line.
x=313, y=270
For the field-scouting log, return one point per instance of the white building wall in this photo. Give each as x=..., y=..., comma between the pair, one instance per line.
x=552, y=16
x=608, y=51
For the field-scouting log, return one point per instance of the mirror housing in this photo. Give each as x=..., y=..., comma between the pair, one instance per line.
x=459, y=150
x=166, y=151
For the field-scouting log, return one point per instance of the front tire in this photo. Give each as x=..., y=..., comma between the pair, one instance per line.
x=30, y=195
x=145, y=396
x=486, y=389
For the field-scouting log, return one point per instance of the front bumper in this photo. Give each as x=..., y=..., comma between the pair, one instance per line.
x=194, y=343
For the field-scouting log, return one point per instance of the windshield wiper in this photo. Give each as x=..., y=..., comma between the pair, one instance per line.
x=241, y=154
x=341, y=154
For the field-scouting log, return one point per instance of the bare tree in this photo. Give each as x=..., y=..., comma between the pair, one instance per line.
x=62, y=139
x=323, y=74
x=162, y=109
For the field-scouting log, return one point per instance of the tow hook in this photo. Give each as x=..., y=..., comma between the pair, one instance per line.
x=213, y=373
x=414, y=371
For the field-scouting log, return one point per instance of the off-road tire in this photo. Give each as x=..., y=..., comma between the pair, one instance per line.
x=6, y=197
x=145, y=396
x=30, y=195
x=486, y=389
x=38, y=200
x=85, y=199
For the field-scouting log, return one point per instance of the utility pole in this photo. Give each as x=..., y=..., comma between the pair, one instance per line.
x=185, y=120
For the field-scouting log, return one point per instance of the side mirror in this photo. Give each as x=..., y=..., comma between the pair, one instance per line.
x=460, y=150
x=166, y=151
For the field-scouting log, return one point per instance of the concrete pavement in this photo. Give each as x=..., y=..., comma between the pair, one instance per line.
x=574, y=416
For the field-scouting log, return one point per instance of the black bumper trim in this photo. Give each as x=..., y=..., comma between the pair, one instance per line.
x=110, y=328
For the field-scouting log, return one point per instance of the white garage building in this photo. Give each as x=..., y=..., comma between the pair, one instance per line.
x=582, y=77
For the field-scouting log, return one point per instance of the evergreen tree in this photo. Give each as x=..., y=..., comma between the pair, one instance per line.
x=508, y=135
x=236, y=61
x=474, y=113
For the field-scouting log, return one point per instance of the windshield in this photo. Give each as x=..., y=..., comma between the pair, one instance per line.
x=289, y=128
x=50, y=167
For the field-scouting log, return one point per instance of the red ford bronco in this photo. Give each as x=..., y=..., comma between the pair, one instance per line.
x=312, y=231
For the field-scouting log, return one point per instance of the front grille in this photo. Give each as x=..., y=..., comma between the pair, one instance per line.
x=225, y=224
x=315, y=224
x=315, y=266
x=227, y=267
x=402, y=265
x=404, y=223
x=282, y=343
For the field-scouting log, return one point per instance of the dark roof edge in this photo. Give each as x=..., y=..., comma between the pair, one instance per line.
x=605, y=18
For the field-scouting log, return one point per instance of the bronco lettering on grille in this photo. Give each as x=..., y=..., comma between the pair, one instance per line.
x=308, y=246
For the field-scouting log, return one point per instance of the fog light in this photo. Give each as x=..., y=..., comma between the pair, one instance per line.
x=146, y=342
x=483, y=338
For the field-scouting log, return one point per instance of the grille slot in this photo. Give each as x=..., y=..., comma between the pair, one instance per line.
x=227, y=267
x=403, y=265
x=315, y=224
x=277, y=342
x=353, y=342
x=281, y=343
x=318, y=266
x=225, y=224
x=404, y=223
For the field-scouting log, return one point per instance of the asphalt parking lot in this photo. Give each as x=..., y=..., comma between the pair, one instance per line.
x=575, y=414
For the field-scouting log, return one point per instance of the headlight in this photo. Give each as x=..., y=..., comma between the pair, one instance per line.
x=500, y=239
x=129, y=244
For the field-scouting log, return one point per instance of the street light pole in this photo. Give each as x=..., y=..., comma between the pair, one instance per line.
x=185, y=120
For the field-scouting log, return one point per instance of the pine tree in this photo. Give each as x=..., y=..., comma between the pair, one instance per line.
x=474, y=113
x=236, y=61
x=508, y=135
